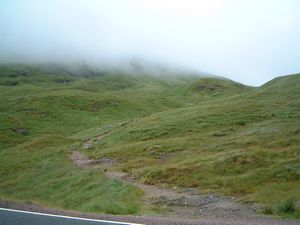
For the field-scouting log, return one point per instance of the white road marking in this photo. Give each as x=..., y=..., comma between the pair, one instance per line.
x=67, y=217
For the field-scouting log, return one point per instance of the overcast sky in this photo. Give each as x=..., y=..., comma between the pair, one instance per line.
x=250, y=41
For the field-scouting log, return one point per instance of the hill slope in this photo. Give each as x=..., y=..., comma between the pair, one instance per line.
x=184, y=131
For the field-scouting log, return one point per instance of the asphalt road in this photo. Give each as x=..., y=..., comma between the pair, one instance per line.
x=17, y=217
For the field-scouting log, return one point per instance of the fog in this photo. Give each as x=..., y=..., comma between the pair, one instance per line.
x=250, y=41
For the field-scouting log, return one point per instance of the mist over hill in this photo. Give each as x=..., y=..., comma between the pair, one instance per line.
x=134, y=66
x=215, y=36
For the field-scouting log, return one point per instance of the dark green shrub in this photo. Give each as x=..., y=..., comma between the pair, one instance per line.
x=287, y=207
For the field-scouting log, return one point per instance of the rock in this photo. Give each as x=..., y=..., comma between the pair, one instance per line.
x=21, y=131
x=154, y=148
x=23, y=73
x=63, y=81
x=212, y=87
x=182, y=201
x=87, y=146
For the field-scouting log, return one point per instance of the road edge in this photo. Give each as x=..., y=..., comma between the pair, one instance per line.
x=66, y=217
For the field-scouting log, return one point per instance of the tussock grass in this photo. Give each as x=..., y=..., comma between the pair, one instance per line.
x=209, y=133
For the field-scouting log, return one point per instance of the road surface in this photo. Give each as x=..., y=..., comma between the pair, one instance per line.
x=18, y=217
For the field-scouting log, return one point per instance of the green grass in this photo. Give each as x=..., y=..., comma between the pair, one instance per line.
x=209, y=133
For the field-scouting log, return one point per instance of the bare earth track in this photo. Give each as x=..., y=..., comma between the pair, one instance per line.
x=182, y=206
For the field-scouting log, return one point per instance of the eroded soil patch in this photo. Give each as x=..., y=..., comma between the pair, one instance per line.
x=81, y=160
x=183, y=202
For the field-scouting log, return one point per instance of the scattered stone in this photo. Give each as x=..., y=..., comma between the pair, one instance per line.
x=184, y=203
x=21, y=131
x=106, y=162
x=87, y=146
x=210, y=87
x=79, y=159
x=154, y=148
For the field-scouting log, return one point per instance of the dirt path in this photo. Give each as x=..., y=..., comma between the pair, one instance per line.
x=183, y=207
x=184, y=203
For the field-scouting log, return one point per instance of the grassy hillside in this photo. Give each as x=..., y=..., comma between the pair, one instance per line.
x=44, y=110
x=186, y=131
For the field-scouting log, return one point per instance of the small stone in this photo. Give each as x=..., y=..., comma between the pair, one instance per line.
x=21, y=131
x=88, y=146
